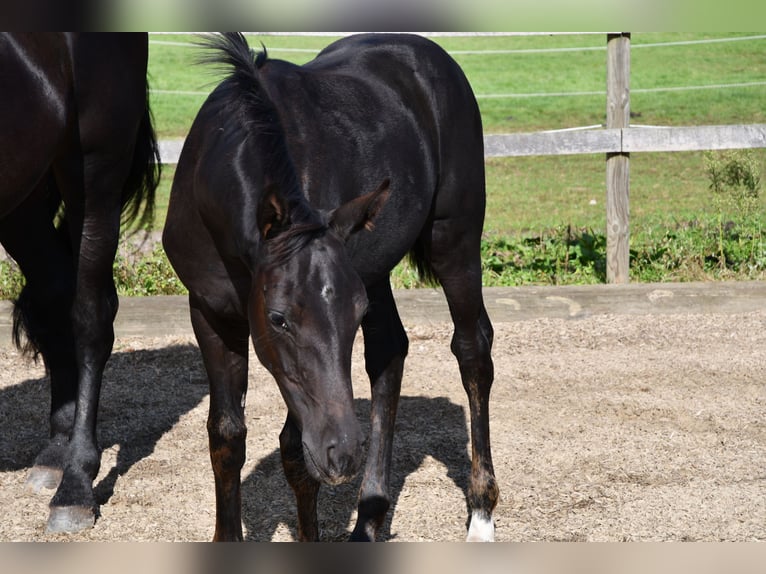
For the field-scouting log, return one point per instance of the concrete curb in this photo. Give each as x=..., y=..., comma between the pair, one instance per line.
x=169, y=315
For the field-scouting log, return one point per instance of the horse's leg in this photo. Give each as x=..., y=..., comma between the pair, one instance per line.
x=45, y=304
x=455, y=257
x=93, y=219
x=224, y=347
x=92, y=171
x=305, y=487
x=385, y=348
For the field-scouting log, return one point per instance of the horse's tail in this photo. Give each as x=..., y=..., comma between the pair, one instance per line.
x=138, y=193
x=27, y=330
x=31, y=320
x=420, y=258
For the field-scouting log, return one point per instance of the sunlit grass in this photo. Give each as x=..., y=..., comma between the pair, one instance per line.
x=515, y=74
x=542, y=199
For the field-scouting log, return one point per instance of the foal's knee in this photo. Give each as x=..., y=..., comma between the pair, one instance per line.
x=227, y=433
x=379, y=358
x=293, y=463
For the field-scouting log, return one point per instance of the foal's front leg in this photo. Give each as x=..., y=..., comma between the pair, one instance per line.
x=385, y=348
x=305, y=487
x=224, y=346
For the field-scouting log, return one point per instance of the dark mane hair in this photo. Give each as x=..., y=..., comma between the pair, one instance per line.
x=284, y=245
x=242, y=95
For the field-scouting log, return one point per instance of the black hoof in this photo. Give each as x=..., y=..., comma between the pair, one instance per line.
x=70, y=519
x=43, y=478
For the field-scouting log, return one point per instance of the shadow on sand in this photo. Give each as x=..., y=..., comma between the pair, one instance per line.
x=425, y=427
x=144, y=394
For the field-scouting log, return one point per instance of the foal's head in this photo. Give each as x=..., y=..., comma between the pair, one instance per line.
x=306, y=304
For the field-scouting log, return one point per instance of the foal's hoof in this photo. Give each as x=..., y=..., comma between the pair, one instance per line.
x=482, y=528
x=70, y=519
x=43, y=478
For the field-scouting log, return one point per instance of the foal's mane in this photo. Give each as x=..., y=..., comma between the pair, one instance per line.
x=242, y=94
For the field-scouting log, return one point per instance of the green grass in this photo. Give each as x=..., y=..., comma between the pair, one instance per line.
x=172, y=68
x=529, y=194
x=546, y=215
x=538, y=204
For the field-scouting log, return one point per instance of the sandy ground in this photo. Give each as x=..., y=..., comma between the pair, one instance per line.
x=605, y=427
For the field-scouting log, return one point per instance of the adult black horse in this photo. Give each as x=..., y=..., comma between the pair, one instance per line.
x=77, y=156
x=297, y=191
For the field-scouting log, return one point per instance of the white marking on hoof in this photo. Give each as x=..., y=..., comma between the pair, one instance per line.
x=70, y=519
x=482, y=529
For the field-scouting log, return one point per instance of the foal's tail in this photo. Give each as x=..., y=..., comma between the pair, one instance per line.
x=420, y=258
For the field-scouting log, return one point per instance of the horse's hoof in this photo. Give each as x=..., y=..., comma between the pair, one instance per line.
x=70, y=519
x=42, y=478
x=482, y=528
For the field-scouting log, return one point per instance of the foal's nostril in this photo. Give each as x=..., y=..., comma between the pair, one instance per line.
x=341, y=464
x=335, y=461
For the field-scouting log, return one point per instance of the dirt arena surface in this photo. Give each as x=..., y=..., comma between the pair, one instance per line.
x=606, y=426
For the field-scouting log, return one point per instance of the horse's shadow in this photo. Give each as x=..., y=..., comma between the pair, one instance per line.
x=144, y=394
x=425, y=427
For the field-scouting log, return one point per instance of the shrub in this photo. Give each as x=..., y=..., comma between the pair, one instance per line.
x=11, y=279
x=735, y=182
x=149, y=274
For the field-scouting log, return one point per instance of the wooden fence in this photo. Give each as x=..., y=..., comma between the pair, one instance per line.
x=617, y=140
x=618, y=144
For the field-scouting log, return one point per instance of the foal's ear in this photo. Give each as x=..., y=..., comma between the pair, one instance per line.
x=272, y=212
x=360, y=212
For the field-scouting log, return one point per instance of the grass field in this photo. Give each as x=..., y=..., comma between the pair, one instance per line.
x=556, y=204
x=509, y=74
x=546, y=215
x=539, y=192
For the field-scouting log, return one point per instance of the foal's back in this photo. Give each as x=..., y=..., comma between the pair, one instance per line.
x=373, y=106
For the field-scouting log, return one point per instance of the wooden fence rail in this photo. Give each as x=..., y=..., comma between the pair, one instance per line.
x=618, y=141
x=626, y=140
x=569, y=142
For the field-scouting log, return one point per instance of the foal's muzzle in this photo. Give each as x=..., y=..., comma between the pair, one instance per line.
x=337, y=458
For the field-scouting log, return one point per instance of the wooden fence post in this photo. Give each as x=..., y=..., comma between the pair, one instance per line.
x=618, y=164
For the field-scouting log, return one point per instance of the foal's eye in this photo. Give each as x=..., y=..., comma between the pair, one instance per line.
x=278, y=320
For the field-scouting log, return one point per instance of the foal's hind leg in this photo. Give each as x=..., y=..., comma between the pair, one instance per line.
x=385, y=348
x=44, y=307
x=455, y=258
